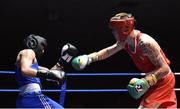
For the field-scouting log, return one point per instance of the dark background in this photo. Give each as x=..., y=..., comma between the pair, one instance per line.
x=84, y=23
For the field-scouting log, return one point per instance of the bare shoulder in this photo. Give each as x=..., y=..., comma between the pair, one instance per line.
x=146, y=41
x=25, y=53
x=145, y=38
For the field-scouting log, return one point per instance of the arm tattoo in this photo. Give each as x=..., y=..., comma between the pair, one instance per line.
x=153, y=52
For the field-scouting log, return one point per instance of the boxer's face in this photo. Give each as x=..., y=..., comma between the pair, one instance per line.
x=40, y=51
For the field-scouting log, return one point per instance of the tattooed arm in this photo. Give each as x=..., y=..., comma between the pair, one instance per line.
x=151, y=49
x=82, y=61
x=106, y=52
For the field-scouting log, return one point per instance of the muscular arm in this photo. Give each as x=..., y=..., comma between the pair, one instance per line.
x=152, y=50
x=26, y=59
x=80, y=62
x=106, y=52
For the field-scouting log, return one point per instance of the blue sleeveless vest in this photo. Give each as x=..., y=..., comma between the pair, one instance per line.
x=23, y=80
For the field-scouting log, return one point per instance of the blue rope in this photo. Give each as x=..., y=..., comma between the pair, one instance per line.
x=105, y=74
x=77, y=90
x=94, y=74
x=89, y=74
x=7, y=72
x=98, y=90
x=71, y=90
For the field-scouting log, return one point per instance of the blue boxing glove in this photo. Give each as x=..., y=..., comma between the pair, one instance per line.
x=137, y=87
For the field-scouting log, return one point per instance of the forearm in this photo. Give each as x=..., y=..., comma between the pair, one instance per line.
x=154, y=76
x=160, y=72
x=149, y=80
x=42, y=68
x=57, y=67
x=80, y=62
x=27, y=71
x=105, y=53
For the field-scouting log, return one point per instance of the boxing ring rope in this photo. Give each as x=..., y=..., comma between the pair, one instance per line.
x=63, y=89
x=71, y=90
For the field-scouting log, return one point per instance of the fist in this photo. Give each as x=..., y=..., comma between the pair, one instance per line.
x=53, y=75
x=68, y=52
x=137, y=87
x=81, y=62
x=56, y=74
